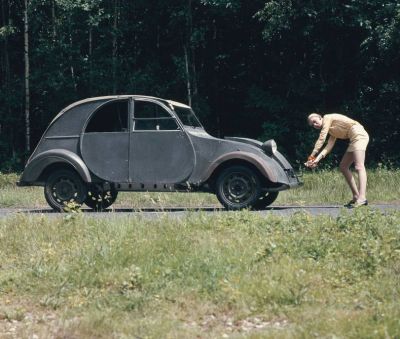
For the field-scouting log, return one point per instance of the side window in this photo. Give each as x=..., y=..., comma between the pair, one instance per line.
x=149, y=116
x=112, y=117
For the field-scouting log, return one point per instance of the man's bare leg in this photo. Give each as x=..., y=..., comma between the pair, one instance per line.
x=359, y=160
x=344, y=167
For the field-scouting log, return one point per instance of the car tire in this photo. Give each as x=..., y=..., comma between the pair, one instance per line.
x=238, y=187
x=62, y=187
x=99, y=198
x=265, y=200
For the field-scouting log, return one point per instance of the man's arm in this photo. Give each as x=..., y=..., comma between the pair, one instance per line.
x=327, y=149
x=327, y=122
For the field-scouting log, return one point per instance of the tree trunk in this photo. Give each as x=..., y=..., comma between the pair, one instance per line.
x=115, y=46
x=71, y=65
x=189, y=56
x=27, y=89
x=4, y=127
x=6, y=58
x=188, y=82
x=3, y=59
x=90, y=59
x=192, y=51
x=53, y=16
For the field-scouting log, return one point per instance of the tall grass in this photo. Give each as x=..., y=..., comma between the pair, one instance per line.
x=320, y=187
x=228, y=274
x=329, y=187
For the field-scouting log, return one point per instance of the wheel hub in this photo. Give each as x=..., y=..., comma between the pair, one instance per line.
x=64, y=190
x=238, y=188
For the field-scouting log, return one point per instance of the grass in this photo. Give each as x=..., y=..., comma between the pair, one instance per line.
x=236, y=274
x=226, y=274
x=321, y=187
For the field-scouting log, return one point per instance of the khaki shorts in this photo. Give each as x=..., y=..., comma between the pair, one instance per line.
x=359, y=139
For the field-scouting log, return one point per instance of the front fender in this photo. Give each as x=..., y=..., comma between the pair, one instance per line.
x=38, y=164
x=253, y=159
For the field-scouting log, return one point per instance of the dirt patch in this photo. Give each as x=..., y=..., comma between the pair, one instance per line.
x=21, y=319
x=230, y=325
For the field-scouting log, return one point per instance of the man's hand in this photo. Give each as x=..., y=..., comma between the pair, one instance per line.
x=312, y=162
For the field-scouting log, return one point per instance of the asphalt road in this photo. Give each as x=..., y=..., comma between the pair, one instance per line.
x=182, y=211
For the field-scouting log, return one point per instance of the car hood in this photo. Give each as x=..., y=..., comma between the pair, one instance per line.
x=248, y=141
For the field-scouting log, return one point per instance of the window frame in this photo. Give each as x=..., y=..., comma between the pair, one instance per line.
x=162, y=106
x=93, y=114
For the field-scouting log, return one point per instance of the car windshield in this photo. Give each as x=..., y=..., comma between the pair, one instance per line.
x=187, y=116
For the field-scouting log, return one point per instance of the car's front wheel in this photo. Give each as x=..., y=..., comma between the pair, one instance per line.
x=99, y=198
x=64, y=187
x=238, y=187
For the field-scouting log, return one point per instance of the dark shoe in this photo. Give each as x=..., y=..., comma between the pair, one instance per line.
x=350, y=203
x=359, y=204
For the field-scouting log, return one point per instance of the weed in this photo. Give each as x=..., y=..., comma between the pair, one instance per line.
x=134, y=280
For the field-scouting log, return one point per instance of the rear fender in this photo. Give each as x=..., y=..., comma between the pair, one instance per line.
x=38, y=165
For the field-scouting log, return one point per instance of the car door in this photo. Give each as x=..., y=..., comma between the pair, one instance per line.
x=105, y=141
x=160, y=150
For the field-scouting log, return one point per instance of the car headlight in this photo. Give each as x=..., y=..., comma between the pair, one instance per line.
x=269, y=147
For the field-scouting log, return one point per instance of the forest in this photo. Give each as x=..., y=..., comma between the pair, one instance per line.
x=254, y=69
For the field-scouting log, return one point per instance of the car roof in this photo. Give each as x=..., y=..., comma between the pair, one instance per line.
x=178, y=104
x=111, y=97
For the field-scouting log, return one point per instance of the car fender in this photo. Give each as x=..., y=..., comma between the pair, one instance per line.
x=253, y=159
x=39, y=163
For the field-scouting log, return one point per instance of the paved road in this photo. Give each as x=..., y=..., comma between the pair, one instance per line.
x=181, y=211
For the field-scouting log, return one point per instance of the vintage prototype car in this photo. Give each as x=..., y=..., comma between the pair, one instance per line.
x=97, y=147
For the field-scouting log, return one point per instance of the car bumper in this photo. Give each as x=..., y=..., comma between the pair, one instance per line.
x=293, y=181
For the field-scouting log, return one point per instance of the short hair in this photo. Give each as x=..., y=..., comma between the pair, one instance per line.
x=313, y=115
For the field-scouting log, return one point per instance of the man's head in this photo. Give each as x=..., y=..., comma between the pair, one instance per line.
x=315, y=120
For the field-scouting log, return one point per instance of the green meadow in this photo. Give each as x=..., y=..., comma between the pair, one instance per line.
x=202, y=275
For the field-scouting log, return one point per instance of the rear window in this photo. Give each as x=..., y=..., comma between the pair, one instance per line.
x=112, y=117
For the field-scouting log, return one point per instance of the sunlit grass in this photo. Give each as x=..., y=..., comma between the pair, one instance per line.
x=329, y=187
x=226, y=274
x=320, y=187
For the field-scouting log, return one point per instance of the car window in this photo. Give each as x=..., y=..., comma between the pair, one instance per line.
x=187, y=116
x=112, y=117
x=149, y=116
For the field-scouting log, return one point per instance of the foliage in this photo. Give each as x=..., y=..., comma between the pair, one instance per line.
x=251, y=64
x=342, y=54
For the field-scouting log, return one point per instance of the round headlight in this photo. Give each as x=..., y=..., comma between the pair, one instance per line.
x=269, y=147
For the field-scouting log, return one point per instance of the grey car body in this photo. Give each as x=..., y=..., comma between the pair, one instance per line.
x=98, y=146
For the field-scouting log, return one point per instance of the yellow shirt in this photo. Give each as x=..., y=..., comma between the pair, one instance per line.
x=338, y=127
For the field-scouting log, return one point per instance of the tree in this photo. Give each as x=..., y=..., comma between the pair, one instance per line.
x=338, y=56
x=27, y=75
x=249, y=68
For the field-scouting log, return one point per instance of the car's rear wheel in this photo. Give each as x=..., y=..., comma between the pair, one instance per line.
x=99, y=198
x=64, y=187
x=265, y=200
x=238, y=187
